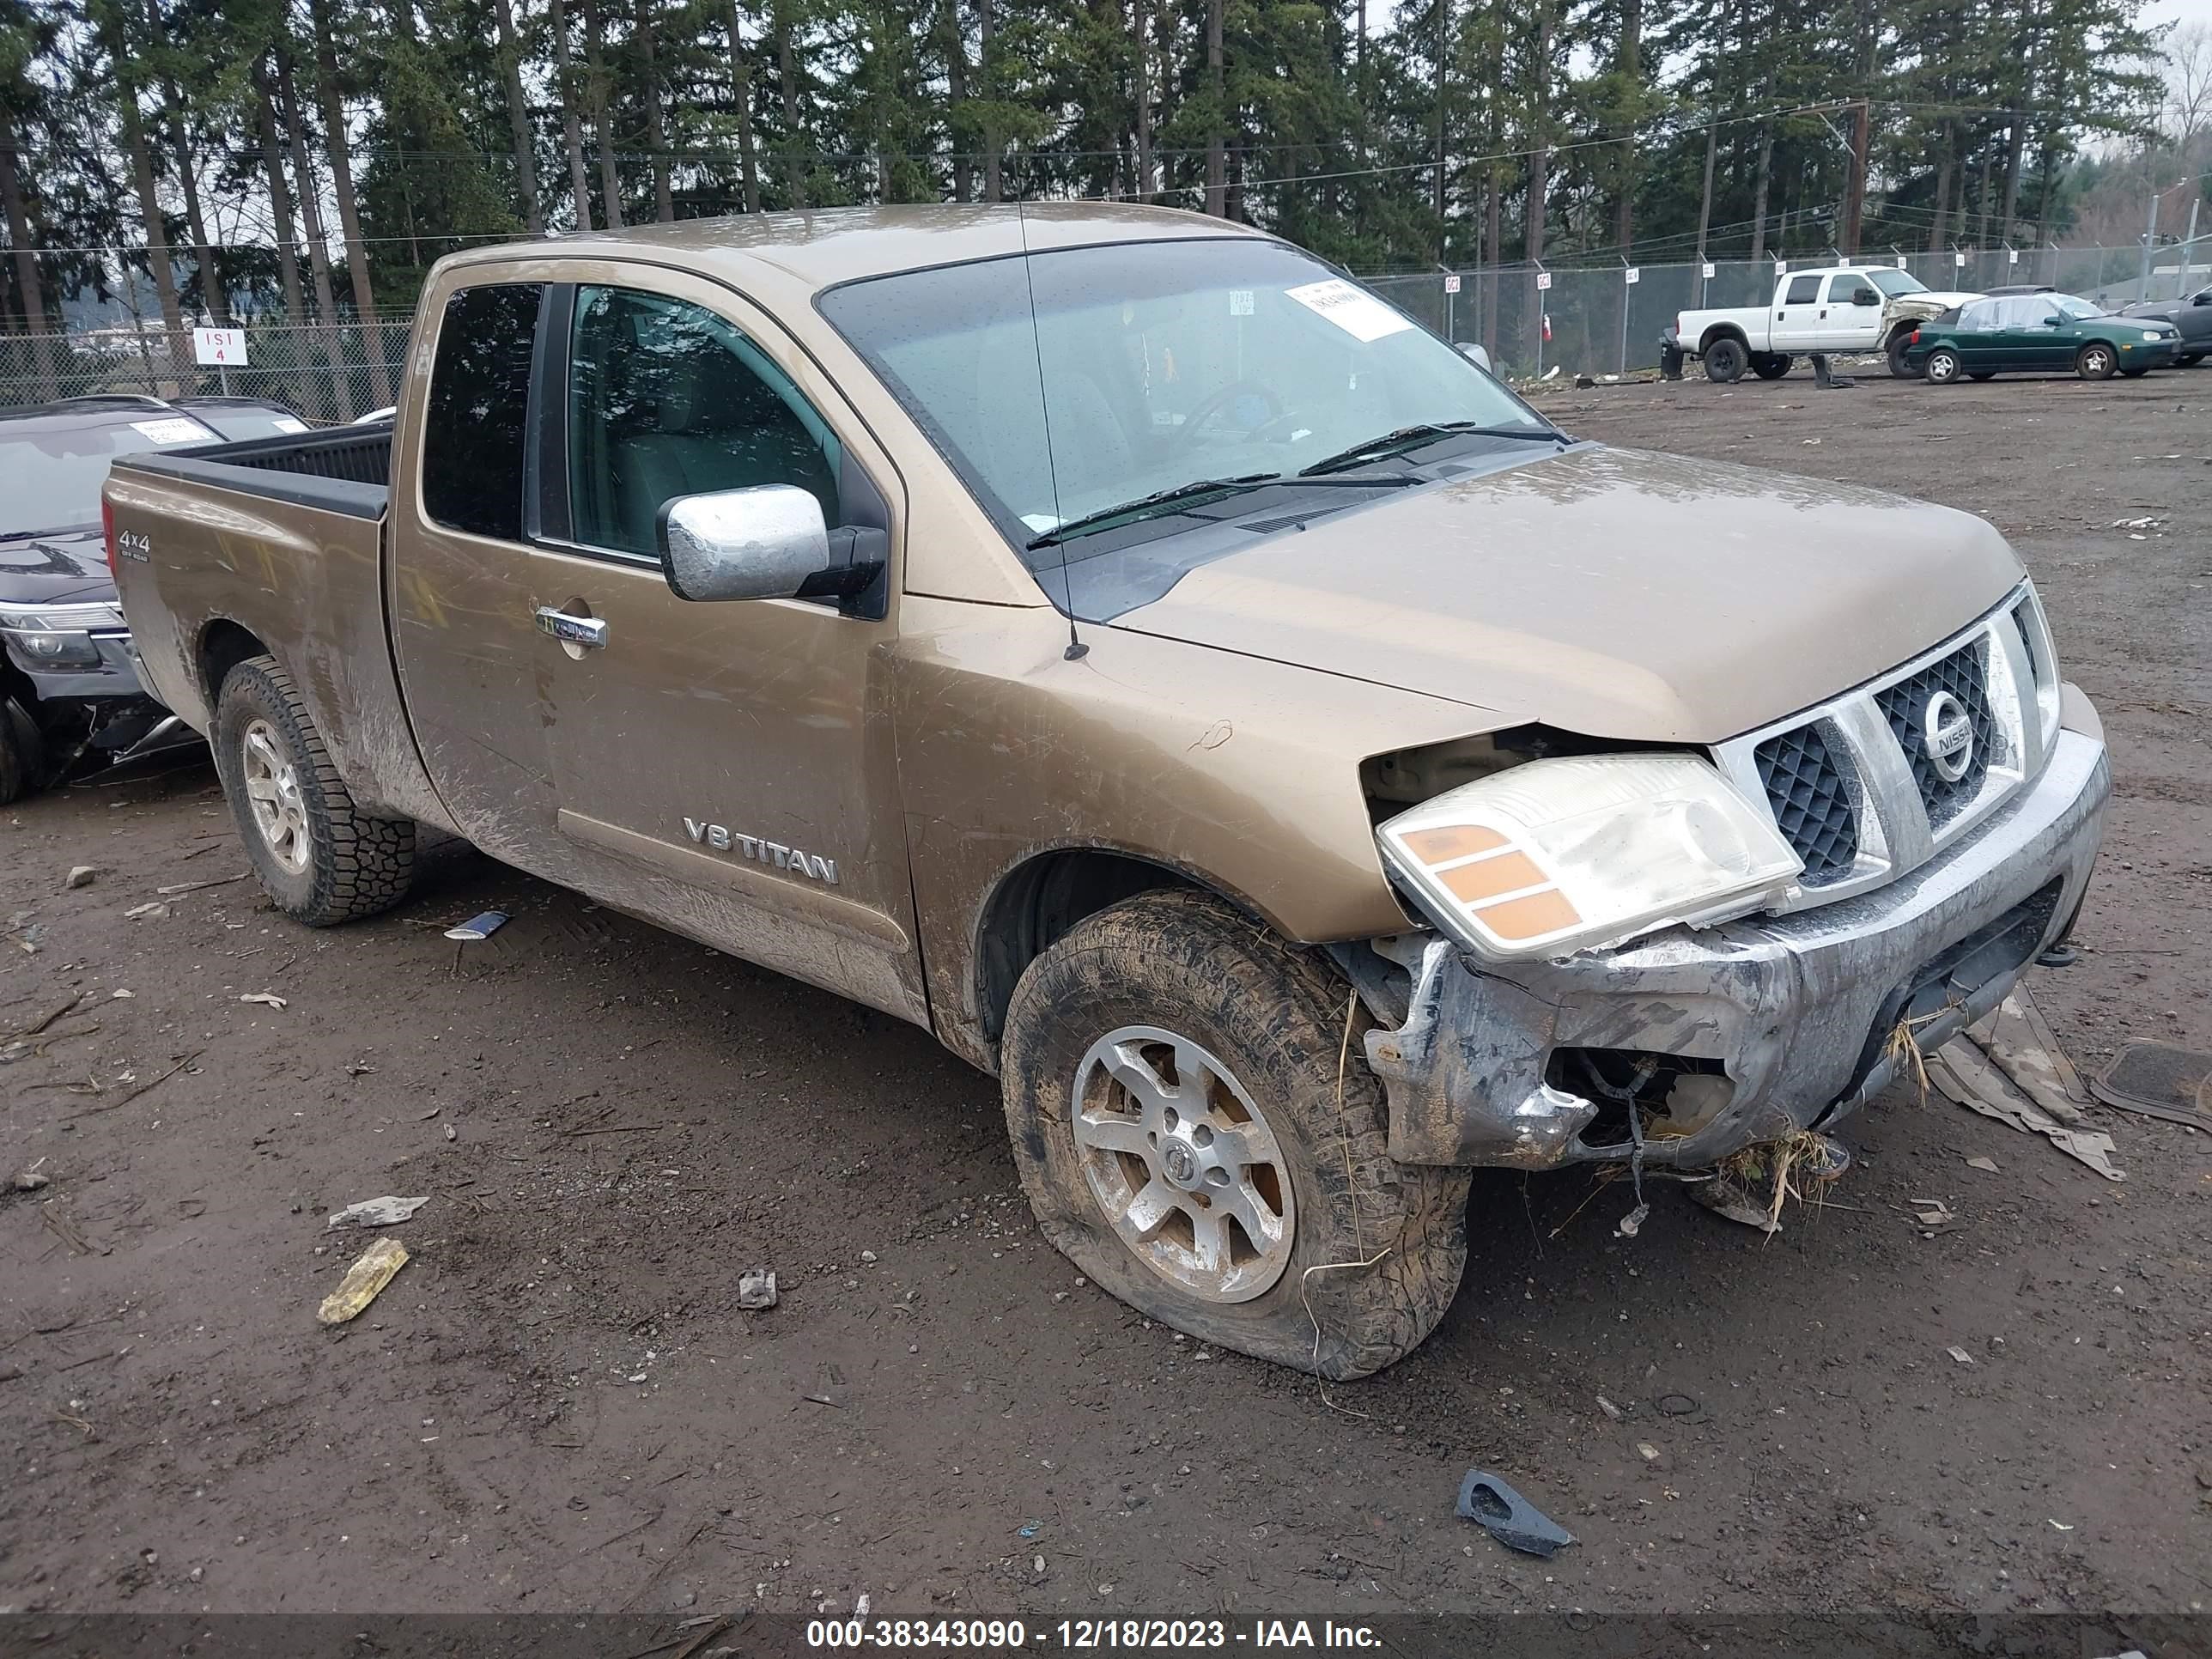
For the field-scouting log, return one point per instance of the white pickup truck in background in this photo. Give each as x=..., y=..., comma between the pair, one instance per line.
x=1835, y=308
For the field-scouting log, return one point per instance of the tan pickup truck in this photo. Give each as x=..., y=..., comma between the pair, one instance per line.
x=1116, y=641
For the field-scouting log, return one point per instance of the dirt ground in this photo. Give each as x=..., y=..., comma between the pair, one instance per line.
x=558, y=1404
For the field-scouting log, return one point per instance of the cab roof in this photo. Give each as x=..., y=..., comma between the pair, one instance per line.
x=819, y=249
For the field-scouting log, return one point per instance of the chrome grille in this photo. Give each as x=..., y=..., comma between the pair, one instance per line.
x=1812, y=807
x=1965, y=675
x=1850, y=784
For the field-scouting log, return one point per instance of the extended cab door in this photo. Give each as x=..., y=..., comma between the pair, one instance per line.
x=471, y=665
x=726, y=767
x=1797, y=323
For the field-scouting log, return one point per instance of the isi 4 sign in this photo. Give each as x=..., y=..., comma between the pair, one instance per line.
x=219, y=348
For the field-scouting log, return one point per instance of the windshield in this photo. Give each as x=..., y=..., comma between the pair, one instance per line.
x=1895, y=283
x=2075, y=309
x=239, y=424
x=50, y=476
x=1151, y=365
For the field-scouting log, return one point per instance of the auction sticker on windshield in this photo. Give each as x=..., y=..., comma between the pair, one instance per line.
x=1359, y=314
x=171, y=432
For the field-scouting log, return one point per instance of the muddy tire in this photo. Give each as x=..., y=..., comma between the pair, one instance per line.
x=2190, y=360
x=1771, y=365
x=22, y=751
x=2135, y=372
x=1725, y=361
x=1980, y=374
x=1942, y=366
x=1894, y=352
x=1169, y=1073
x=320, y=858
x=2096, y=362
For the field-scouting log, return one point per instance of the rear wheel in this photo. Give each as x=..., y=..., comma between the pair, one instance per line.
x=1982, y=374
x=320, y=858
x=1171, y=1072
x=2096, y=362
x=2191, y=359
x=2136, y=371
x=1771, y=365
x=1725, y=361
x=1942, y=366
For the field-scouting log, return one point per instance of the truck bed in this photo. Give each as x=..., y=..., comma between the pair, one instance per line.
x=344, y=469
x=276, y=544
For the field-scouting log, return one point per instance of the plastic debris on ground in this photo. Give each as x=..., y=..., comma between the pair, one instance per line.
x=367, y=1276
x=479, y=927
x=1509, y=1518
x=756, y=1289
x=378, y=1211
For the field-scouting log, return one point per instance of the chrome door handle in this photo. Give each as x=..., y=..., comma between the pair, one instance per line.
x=590, y=632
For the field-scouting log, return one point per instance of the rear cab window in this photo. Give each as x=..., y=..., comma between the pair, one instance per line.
x=1803, y=290
x=475, y=422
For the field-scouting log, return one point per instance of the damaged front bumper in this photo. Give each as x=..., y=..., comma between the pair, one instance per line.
x=1719, y=1038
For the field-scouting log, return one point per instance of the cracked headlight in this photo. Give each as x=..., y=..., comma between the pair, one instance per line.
x=1556, y=856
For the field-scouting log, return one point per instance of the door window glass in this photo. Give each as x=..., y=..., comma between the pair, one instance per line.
x=479, y=403
x=1803, y=290
x=1842, y=286
x=667, y=399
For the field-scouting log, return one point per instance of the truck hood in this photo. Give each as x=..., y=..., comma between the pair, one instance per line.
x=57, y=567
x=1609, y=592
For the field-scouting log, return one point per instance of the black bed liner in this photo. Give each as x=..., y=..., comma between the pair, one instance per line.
x=340, y=468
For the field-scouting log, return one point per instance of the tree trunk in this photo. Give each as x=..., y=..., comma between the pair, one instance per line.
x=1539, y=159
x=518, y=109
x=1759, y=193
x=1139, y=30
x=280, y=197
x=741, y=83
x=1943, y=158
x=1705, y=198
x=1631, y=63
x=786, y=72
x=656, y=118
x=319, y=253
x=341, y=154
x=149, y=201
x=595, y=63
x=180, y=149
x=1443, y=167
x=572, y=130
x=986, y=73
x=1217, y=138
x=29, y=288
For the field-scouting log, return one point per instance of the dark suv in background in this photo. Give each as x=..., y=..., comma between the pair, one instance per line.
x=69, y=683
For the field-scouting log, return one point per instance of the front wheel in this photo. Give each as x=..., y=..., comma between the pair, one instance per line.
x=320, y=858
x=2096, y=362
x=1942, y=366
x=22, y=750
x=1171, y=1072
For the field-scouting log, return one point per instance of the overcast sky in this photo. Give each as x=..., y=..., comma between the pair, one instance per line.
x=2179, y=11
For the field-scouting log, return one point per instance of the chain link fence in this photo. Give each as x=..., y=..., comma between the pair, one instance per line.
x=323, y=373
x=1607, y=319
x=1588, y=319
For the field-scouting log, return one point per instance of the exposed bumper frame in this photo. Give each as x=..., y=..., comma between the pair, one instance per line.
x=1795, y=1007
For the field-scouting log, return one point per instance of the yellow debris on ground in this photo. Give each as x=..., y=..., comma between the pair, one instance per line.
x=363, y=1281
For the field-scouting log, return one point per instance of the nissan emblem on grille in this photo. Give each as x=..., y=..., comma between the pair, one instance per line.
x=1949, y=735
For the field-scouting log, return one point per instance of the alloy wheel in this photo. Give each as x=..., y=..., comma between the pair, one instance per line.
x=1182, y=1161
x=273, y=790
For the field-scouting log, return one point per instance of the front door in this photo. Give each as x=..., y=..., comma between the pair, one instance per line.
x=1850, y=320
x=726, y=768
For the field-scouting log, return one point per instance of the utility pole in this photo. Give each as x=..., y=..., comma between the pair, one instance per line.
x=2150, y=235
x=1855, y=192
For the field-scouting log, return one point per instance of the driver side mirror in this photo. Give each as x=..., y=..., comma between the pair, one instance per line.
x=1475, y=354
x=2052, y=320
x=2203, y=297
x=769, y=541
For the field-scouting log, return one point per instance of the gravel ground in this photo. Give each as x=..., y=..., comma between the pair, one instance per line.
x=558, y=1405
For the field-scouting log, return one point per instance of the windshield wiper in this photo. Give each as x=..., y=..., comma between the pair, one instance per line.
x=1146, y=506
x=1407, y=437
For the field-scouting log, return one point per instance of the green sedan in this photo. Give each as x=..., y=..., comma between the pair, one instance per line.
x=2046, y=333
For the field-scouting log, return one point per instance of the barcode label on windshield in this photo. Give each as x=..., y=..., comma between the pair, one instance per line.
x=1357, y=313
